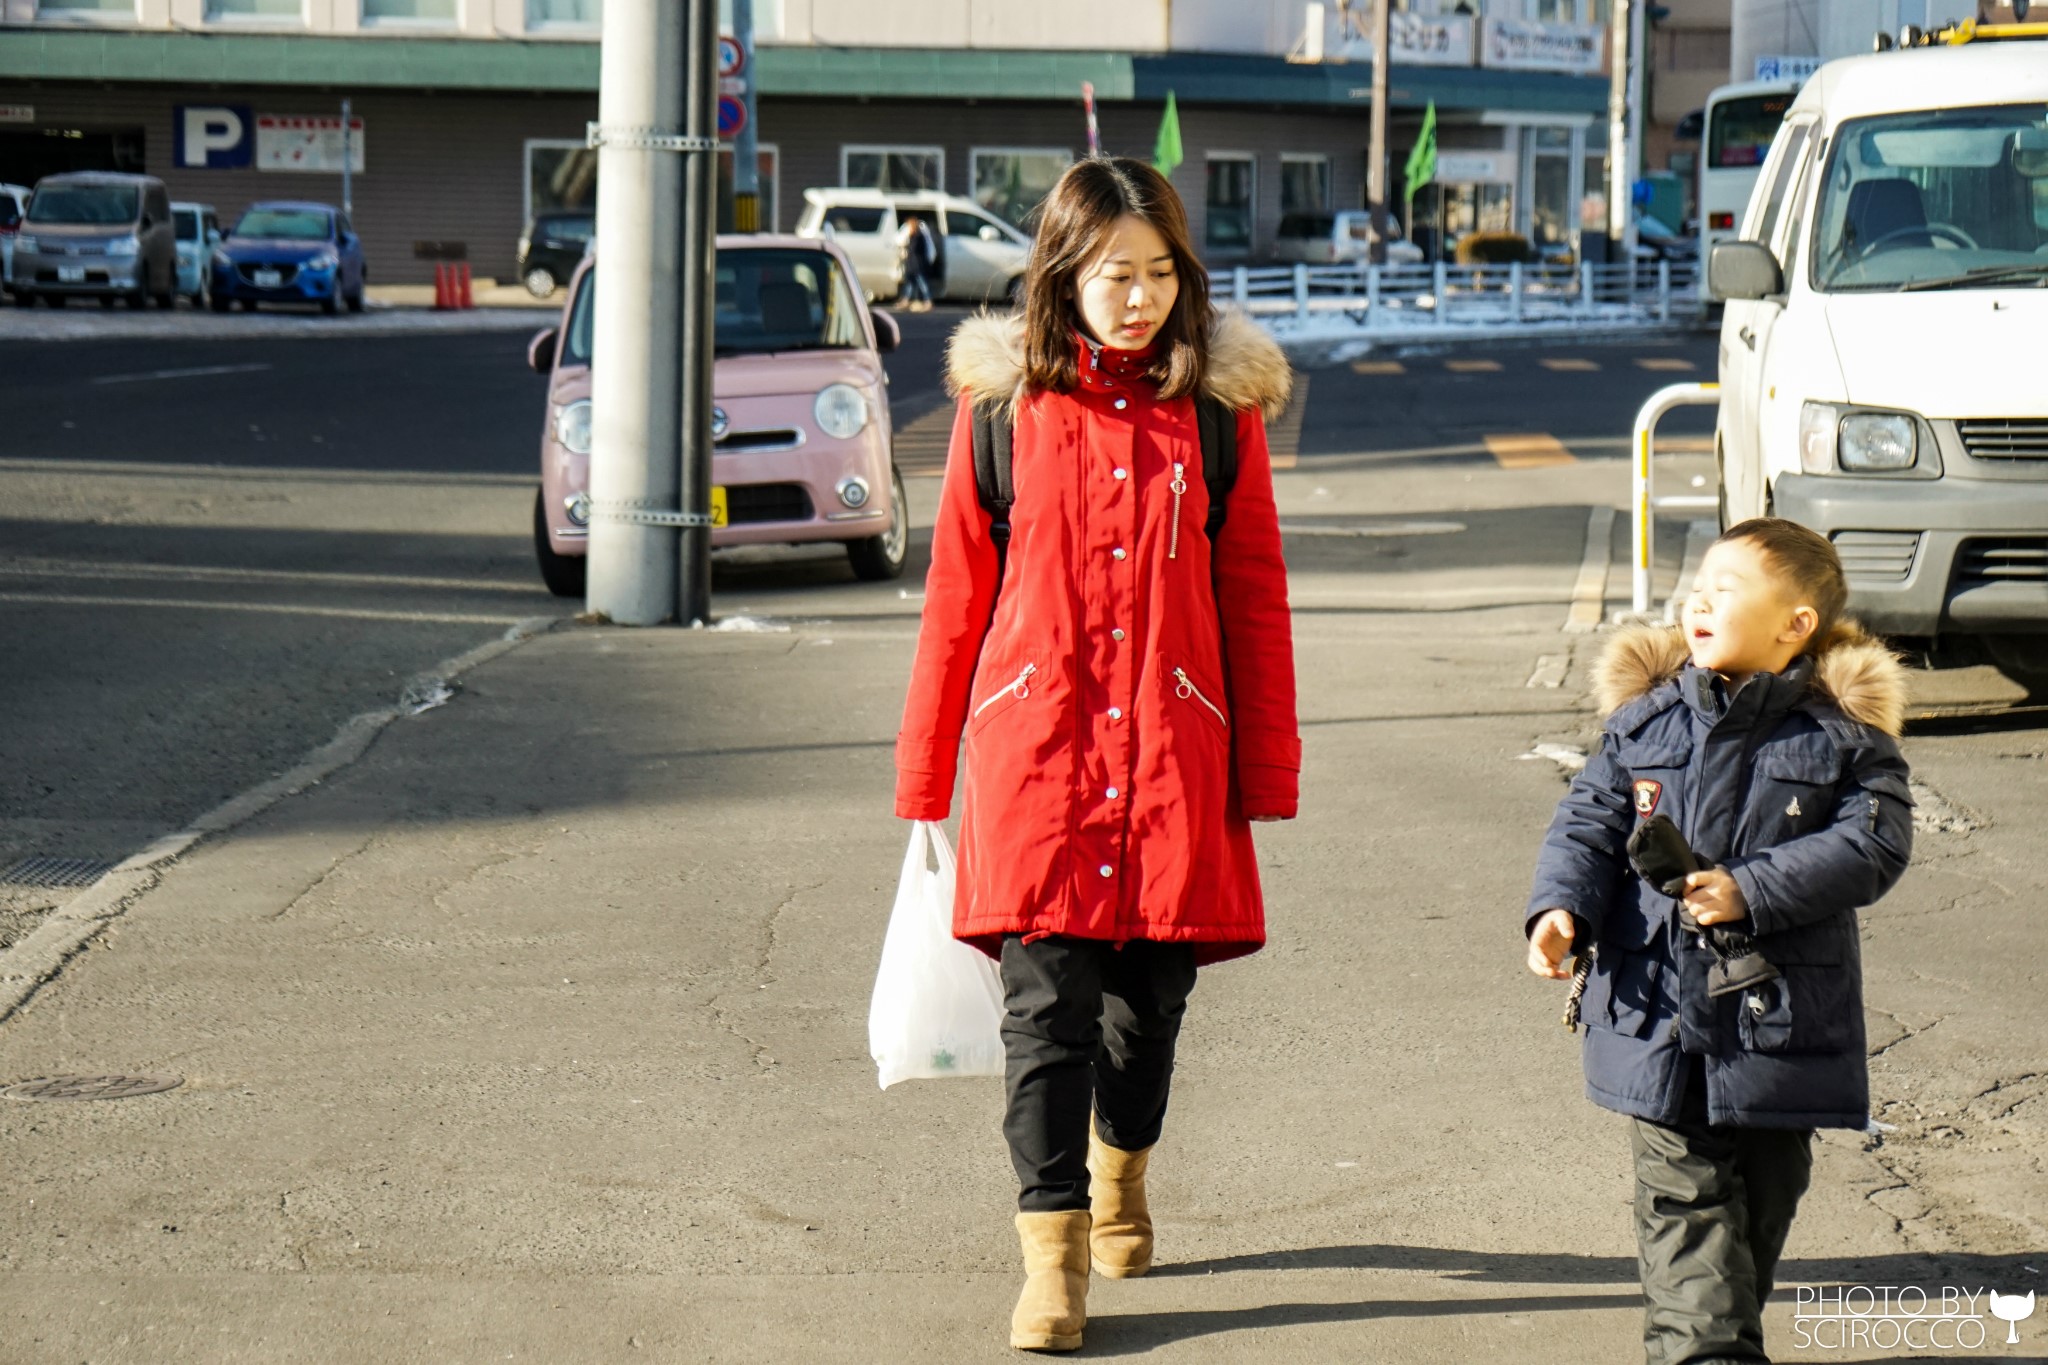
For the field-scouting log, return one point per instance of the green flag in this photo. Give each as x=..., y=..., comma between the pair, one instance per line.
x=1421, y=167
x=1166, y=151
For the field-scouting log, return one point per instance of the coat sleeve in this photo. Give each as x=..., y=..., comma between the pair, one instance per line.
x=1258, y=633
x=959, y=595
x=1853, y=862
x=1585, y=851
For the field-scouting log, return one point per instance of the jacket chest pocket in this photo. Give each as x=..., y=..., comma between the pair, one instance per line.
x=1655, y=769
x=1624, y=993
x=1792, y=793
x=1813, y=1007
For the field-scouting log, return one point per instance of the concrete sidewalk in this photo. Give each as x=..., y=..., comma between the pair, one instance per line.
x=539, y=1033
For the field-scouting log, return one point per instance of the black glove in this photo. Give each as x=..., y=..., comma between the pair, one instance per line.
x=1662, y=857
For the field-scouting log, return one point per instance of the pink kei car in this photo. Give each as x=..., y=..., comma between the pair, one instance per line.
x=801, y=441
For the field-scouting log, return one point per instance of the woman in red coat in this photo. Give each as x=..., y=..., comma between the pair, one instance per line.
x=1126, y=691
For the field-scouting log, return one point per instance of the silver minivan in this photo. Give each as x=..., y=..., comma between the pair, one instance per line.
x=97, y=234
x=981, y=257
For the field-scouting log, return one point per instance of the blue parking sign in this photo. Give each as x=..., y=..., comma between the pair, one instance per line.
x=214, y=136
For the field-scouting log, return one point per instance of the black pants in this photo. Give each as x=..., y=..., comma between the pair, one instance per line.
x=1086, y=1024
x=1713, y=1208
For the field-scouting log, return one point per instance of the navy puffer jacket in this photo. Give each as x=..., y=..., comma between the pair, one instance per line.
x=1796, y=786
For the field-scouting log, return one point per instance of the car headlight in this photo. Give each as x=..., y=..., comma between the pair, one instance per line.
x=572, y=427
x=26, y=243
x=577, y=505
x=1832, y=438
x=525, y=246
x=123, y=246
x=221, y=258
x=841, y=411
x=326, y=260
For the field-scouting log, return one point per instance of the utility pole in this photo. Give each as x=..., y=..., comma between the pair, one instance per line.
x=746, y=156
x=1376, y=163
x=637, y=373
x=696, y=316
x=348, y=198
x=1624, y=127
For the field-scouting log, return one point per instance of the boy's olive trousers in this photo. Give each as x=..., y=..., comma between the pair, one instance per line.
x=1713, y=1207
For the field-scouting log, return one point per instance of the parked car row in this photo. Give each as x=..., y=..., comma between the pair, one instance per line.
x=113, y=236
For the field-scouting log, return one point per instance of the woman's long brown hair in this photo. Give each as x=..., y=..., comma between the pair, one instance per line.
x=1073, y=224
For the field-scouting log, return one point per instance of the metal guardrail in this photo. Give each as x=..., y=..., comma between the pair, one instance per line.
x=1642, y=500
x=1389, y=296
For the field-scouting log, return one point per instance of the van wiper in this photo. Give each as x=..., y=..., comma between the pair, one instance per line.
x=1988, y=274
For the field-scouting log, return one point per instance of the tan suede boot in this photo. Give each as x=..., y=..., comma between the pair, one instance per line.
x=1121, y=1243
x=1054, y=1305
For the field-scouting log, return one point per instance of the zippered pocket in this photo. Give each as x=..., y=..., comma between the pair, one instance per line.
x=1184, y=688
x=1177, y=487
x=1016, y=689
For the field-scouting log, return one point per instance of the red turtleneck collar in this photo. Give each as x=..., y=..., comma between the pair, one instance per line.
x=1106, y=367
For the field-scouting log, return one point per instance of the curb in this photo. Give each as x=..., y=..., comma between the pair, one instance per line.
x=39, y=956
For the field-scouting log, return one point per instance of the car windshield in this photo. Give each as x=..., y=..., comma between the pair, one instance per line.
x=1940, y=199
x=103, y=205
x=567, y=229
x=1307, y=225
x=768, y=300
x=187, y=221
x=298, y=225
x=1742, y=129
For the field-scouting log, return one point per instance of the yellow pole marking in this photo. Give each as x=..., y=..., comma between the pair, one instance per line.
x=1472, y=366
x=1528, y=450
x=1571, y=366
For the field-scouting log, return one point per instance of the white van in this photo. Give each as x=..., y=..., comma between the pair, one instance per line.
x=1881, y=349
x=981, y=257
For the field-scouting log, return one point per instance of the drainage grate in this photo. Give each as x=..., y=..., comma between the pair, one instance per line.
x=56, y=872
x=90, y=1087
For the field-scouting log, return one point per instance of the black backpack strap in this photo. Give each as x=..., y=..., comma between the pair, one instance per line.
x=1216, y=424
x=992, y=476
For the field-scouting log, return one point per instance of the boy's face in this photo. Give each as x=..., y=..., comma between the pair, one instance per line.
x=1741, y=616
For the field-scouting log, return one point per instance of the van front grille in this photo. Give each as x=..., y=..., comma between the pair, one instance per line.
x=1877, y=556
x=1985, y=560
x=2006, y=438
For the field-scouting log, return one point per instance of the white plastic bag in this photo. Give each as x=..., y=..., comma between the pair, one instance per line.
x=938, y=1004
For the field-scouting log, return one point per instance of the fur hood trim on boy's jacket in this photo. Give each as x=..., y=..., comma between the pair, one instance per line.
x=1246, y=368
x=1855, y=673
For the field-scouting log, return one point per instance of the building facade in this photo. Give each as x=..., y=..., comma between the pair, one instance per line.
x=468, y=116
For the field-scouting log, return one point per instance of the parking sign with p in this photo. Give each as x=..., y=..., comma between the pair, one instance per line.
x=215, y=136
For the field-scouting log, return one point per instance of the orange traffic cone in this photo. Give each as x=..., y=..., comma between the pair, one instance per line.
x=466, y=298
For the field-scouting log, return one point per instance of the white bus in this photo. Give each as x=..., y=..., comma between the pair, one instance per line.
x=1740, y=121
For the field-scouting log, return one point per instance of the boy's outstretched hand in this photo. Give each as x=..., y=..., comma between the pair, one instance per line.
x=1714, y=897
x=1549, y=941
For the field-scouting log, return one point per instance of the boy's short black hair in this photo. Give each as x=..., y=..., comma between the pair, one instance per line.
x=1807, y=562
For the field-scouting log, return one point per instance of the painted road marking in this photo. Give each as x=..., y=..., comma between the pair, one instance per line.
x=920, y=446
x=1398, y=528
x=1589, y=594
x=1283, y=437
x=1571, y=366
x=1528, y=450
x=1669, y=363
x=451, y=618
x=1472, y=366
x=1378, y=367
x=195, y=372
x=1549, y=670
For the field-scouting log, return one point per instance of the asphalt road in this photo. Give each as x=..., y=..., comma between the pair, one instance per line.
x=213, y=552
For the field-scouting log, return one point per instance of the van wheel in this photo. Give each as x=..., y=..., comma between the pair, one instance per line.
x=219, y=304
x=565, y=575
x=878, y=559
x=540, y=282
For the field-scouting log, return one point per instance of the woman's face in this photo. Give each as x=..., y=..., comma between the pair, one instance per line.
x=1126, y=292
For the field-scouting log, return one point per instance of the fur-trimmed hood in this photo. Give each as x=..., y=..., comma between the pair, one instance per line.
x=1246, y=367
x=1855, y=673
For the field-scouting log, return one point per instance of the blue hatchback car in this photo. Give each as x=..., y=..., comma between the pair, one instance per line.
x=290, y=252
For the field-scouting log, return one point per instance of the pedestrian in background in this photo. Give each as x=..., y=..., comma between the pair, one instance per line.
x=1126, y=688
x=918, y=251
x=1766, y=729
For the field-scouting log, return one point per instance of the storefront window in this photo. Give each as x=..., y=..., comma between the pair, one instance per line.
x=1550, y=186
x=435, y=12
x=564, y=13
x=86, y=9
x=1011, y=182
x=1229, y=203
x=1304, y=184
x=267, y=11
x=901, y=169
x=559, y=175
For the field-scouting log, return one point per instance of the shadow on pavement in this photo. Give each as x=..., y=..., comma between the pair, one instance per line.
x=1137, y=1333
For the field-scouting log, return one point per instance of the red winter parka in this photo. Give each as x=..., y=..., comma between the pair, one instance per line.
x=1127, y=705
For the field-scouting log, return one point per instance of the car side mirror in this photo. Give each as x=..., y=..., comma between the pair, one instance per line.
x=540, y=352
x=888, y=336
x=1744, y=270
x=991, y=233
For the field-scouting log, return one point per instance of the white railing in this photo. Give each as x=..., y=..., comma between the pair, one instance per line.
x=1387, y=297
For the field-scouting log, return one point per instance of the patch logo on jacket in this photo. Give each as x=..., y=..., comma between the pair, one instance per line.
x=1648, y=794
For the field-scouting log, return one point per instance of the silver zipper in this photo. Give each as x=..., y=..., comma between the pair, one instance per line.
x=1179, y=486
x=1187, y=689
x=1019, y=685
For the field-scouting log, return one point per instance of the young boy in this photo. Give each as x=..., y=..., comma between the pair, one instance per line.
x=1766, y=727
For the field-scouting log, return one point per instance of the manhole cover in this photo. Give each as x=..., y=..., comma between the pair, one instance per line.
x=90, y=1087
x=56, y=872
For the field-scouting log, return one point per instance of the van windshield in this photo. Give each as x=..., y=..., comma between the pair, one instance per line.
x=1938, y=199
x=103, y=205
x=297, y=225
x=768, y=301
x=1740, y=130
x=187, y=221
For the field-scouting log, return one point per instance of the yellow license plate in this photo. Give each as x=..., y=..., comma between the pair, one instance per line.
x=718, y=505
